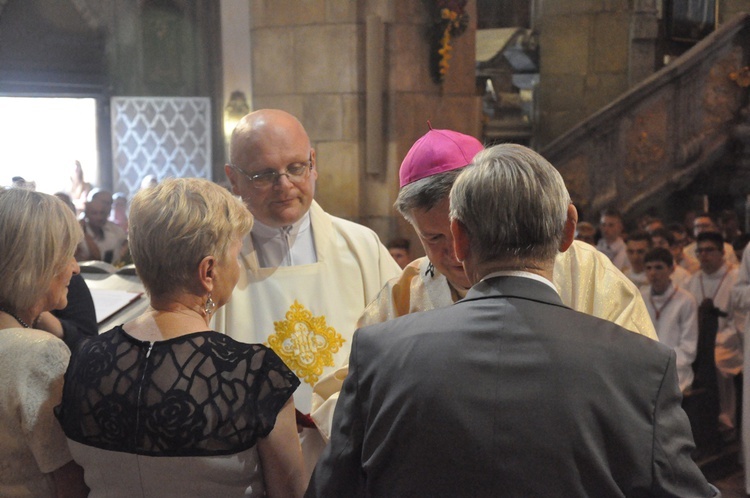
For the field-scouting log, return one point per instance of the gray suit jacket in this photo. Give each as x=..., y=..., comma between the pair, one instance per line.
x=508, y=393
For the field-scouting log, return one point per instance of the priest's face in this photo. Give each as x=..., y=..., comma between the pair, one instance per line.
x=275, y=172
x=434, y=230
x=284, y=199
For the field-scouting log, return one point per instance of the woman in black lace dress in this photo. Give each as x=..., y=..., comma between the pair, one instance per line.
x=162, y=405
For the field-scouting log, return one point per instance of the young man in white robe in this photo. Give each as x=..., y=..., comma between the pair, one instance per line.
x=715, y=281
x=673, y=312
x=637, y=245
x=612, y=243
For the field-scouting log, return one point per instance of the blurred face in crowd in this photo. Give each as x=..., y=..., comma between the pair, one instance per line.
x=268, y=142
x=401, y=256
x=586, y=233
x=97, y=210
x=709, y=256
x=119, y=205
x=434, y=230
x=653, y=225
x=658, y=275
x=636, y=251
x=703, y=224
x=611, y=227
x=680, y=240
x=657, y=241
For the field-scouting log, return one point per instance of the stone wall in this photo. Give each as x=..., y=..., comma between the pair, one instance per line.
x=584, y=60
x=305, y=60
x=730, y=8
x=670, y=140
x=592, y=51
x=309, y=58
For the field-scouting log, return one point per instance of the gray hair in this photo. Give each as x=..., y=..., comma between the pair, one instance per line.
x=513, y=204
x=425, y=193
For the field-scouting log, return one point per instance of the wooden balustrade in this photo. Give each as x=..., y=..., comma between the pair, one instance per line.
x=659, y=135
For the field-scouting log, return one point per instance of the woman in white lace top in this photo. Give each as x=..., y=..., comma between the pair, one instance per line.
x=38, y=235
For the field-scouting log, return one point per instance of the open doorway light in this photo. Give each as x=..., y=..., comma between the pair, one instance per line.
x=42, y=137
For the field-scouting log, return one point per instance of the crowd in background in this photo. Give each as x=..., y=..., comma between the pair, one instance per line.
x=694, y=286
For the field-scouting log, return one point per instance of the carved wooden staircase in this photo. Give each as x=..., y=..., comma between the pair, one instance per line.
x=659, y=136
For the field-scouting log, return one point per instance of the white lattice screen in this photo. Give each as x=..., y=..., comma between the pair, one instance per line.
x=161, y=136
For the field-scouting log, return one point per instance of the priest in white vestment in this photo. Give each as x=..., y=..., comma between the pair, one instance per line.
x=308, y=275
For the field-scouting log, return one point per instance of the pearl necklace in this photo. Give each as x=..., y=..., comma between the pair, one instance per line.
x=7, y=311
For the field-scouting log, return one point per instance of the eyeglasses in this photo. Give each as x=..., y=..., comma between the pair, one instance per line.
x=296, y=173
x=701, y=250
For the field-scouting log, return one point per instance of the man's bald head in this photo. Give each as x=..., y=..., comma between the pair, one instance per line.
x=262, y=125
x=272, y=142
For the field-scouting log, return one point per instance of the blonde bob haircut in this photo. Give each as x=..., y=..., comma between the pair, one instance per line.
x=38, y=237
x=176, y=224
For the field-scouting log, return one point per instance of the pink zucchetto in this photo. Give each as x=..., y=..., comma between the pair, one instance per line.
x=436, y=152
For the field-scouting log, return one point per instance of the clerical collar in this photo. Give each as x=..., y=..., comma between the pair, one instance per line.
x=292, y=245
x=266, y=232
x=523, y=274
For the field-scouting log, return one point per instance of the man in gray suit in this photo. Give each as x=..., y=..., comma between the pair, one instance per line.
x=508, y=392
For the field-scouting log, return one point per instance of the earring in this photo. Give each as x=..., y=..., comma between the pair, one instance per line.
x=210, y=306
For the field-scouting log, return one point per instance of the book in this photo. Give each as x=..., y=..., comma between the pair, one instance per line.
x=109, y=302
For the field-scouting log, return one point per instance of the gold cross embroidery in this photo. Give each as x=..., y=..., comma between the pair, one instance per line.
x=305, y=342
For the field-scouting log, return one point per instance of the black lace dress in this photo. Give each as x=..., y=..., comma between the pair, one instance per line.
x=179, y=417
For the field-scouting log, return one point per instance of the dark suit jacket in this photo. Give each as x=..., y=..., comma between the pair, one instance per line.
x=78, y=318
x=508, y=393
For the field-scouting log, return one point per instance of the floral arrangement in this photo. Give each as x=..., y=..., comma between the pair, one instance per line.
x=449, y=21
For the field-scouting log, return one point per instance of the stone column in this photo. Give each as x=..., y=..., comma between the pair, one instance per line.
x=583, y=49
x=643, y=38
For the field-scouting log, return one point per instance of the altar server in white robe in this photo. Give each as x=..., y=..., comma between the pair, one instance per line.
x=715, y=281
x=673, y=311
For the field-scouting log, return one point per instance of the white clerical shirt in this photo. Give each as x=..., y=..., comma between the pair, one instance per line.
x=292, y=245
